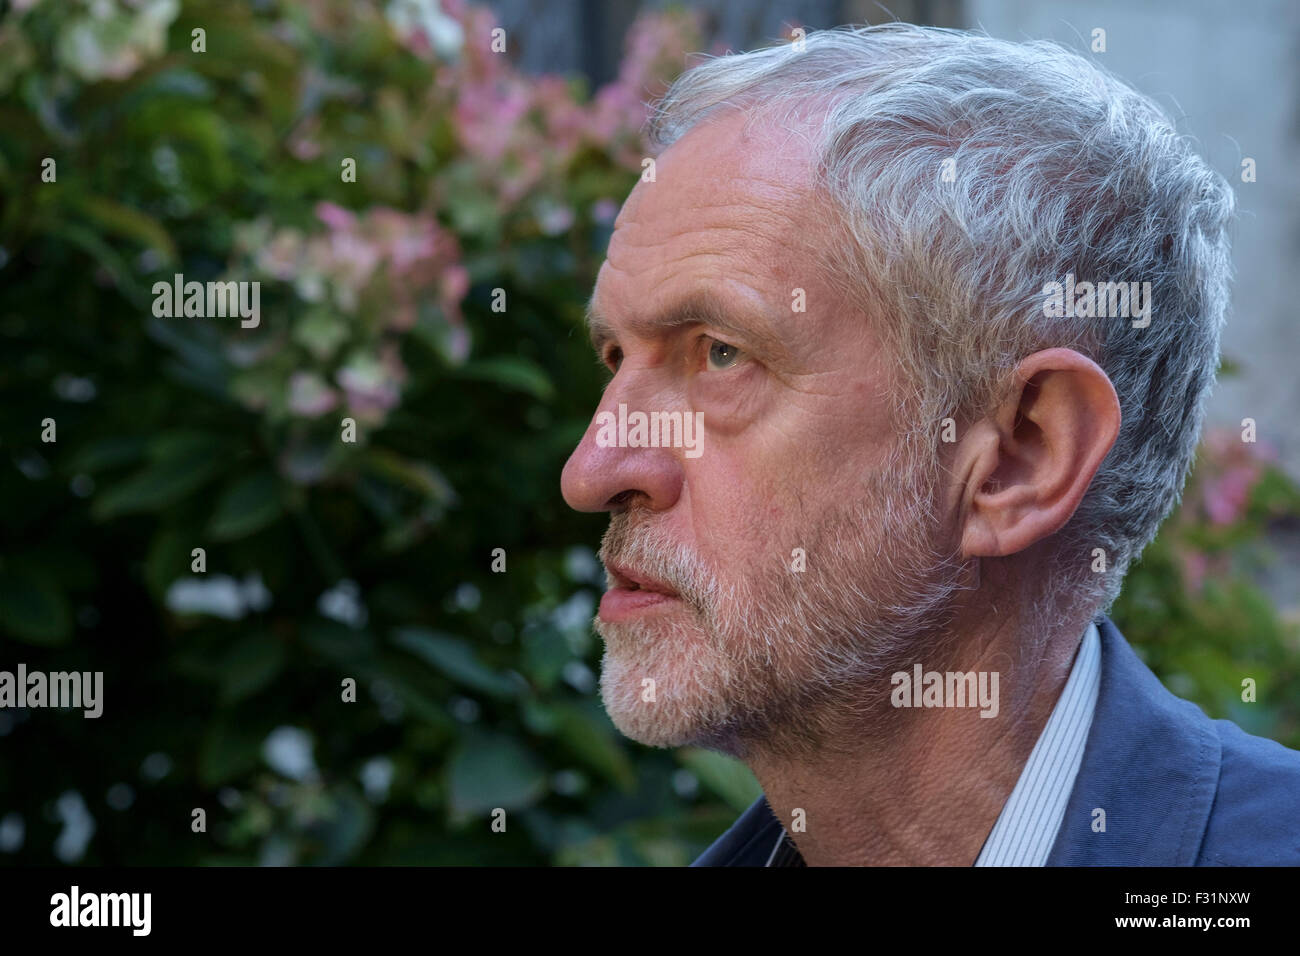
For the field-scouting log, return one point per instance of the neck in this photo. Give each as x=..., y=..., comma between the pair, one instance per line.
x=927, y=783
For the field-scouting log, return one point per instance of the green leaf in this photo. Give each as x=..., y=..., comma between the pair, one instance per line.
x=113, y=262
x=181, y=443
x=590, y=736
x=248, y=505
x=33, y=609
x=545, y=653
x=105, y=453
x=197, y=347
x=170, y=557
x=321, y=332
x=113, y=217
x=227, y=751
x=250, y=665
x=490, y=771
x=539, y=717
x=423, y=707
x=160, y=484
x=472, y=211
x=510, y=371
x=346, y=828
x=455, y=658
x=346, y=647
x=419, y=476
x=728, y=778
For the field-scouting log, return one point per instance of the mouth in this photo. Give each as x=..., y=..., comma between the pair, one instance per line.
x=632, y=594
x=624, y=578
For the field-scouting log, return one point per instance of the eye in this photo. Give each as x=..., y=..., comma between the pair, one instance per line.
x=613, y=357
x=722, y=356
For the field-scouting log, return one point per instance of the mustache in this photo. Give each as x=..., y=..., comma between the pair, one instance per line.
x=635, y=542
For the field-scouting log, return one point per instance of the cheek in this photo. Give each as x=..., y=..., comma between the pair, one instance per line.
x=739, y=510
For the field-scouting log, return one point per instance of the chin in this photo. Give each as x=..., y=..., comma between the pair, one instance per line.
x=657, y=724
x=688, y=685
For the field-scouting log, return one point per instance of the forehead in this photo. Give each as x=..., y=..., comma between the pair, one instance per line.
x=730, y=205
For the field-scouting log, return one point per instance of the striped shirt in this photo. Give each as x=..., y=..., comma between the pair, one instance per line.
x=1027, y=826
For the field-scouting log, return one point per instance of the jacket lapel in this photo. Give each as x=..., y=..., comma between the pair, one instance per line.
x=747, y=842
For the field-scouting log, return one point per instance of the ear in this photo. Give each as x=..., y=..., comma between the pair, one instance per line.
x=1025, y=466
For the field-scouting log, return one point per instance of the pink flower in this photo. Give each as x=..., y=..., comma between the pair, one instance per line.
x=486, y=115
x=1227, y=472
x=604, y=211
x=303, y=144
x=554, y=218
x=309, y=395
x=280, y=256
x=372, y=385
x=336, y=217
x=455, y=283
x=1227, y=495
x=1195, y=568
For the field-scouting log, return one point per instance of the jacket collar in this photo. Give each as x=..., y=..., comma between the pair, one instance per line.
x=748, y=842
x=1151, y=764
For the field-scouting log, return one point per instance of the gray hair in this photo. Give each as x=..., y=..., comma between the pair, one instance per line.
x=1056, y=167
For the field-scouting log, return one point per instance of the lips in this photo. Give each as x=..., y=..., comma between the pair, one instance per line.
x=632, y=593
x=630, y=580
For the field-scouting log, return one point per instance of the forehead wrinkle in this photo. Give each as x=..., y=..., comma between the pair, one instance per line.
x=735, y=250
x=747, y=213
x=700, y=307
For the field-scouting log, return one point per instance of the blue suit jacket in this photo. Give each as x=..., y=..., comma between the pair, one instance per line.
x=1178, y=788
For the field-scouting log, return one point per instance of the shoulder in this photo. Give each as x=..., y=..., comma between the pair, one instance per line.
x=1255, y=818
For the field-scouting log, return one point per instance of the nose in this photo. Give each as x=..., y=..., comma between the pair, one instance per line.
x=597, y=478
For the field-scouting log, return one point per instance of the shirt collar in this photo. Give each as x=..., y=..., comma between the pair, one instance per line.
x=1027, y=826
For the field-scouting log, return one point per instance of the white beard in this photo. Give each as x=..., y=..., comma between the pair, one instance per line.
x=776, y=658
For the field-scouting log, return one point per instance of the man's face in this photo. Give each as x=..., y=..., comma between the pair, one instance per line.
x=762, y=585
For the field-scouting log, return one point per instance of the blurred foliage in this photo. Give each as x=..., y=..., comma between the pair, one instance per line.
x=1192, y=608
x=371, y=561
x=325, y=560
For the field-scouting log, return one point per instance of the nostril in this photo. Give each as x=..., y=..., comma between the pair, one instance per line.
x=621, y=499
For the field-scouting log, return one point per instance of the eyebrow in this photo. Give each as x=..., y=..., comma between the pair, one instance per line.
x=697, y=308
